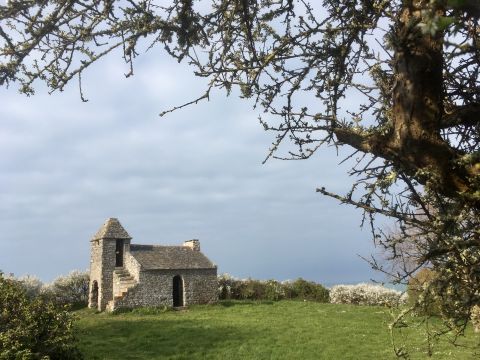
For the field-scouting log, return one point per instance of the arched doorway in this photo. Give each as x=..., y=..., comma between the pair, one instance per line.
x=177, y=291
x=94, y=295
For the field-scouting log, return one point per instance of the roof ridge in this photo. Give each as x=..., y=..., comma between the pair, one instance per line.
x=111, y=229
x=157, y=257
x=160, y=245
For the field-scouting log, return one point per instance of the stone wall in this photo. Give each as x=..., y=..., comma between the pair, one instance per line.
x=131, y=264
x=95, y=270
x=108, y=265
x=201, y=287
x=155, y=288
x=115, y=285
x=102, y=264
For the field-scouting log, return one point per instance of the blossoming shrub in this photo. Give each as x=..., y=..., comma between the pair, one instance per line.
x=365, y=294
x=71, y=289
x=32, y=285
x=33, y=328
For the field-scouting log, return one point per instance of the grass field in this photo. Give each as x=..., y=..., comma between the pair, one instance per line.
x=243, y=330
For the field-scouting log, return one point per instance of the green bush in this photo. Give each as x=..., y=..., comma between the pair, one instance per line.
x=230, y=288
x=33, y=328
x=249, y=290
x=306, y=290
x=225, y=284
x=274, y=290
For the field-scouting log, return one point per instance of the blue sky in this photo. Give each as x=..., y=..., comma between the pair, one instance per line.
x=66, y=166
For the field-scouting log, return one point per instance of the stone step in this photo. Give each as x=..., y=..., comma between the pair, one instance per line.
x=120, y=295
x=125, y=278
x=124, y=288
x=126, y=282
x=123, y=274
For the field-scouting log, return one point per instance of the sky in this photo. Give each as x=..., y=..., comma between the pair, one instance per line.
x=67, y=166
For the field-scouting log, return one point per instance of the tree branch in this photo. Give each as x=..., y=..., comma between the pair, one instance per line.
x=467, y=115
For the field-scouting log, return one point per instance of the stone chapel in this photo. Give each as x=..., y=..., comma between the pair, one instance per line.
x=125, y=275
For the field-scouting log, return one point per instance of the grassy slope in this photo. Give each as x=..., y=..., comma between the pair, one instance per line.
x=281, y=330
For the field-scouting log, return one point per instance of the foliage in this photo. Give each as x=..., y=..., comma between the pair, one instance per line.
x=274, y=290
x=414, y=133
x=420, y=294
x=270, y=290
x=252, y=330
x=32, y=285
x=305, y=290
x=32, y=328
x=71, y=289
x=248, y=289
x=476, y=318
x=365, y=294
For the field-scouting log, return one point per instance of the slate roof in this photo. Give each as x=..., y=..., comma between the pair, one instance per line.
x=111, y=229
x=153, y=257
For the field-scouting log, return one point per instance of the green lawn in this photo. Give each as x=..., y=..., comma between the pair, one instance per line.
x=243, y=330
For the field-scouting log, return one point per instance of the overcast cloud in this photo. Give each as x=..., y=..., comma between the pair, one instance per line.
x=196, y=173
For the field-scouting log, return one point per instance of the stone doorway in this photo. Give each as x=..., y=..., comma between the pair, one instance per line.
x=178, y=291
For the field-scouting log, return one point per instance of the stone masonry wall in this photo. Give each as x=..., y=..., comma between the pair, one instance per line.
x=115, y=284
x=132, y=265
x=105, y=292
x=201, y=287
x=155, y=288
x=95, y=269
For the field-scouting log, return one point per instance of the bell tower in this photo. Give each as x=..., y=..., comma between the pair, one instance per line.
x=107, y=252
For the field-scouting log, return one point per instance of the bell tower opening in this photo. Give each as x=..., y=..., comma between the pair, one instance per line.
x=119, y=253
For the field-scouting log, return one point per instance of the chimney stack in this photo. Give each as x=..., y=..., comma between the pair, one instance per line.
x=193, y=244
